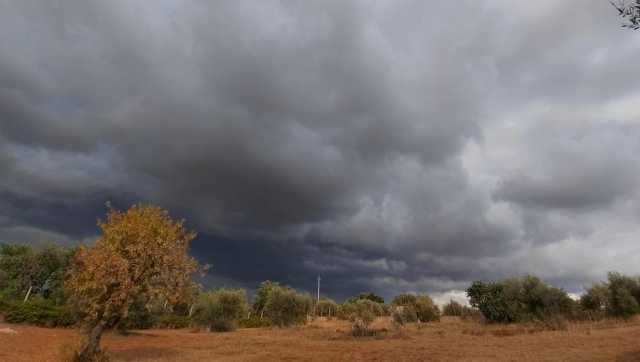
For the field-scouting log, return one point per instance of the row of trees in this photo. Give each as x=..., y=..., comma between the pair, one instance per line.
x=530, y=299
x=139, y=273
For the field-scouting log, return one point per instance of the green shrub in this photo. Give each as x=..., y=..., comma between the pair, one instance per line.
x=348, y=309
x=618, y=297
x=326, y=308
x=40, y=312
x=262, y=296
x=624, y=295
x=426, y=310
x=285, y=306
x=596, y=298
x=403, y=314
x=520, y=300
x=139, y=317
x=361, y=313
x=367, y=295
x=220, y=310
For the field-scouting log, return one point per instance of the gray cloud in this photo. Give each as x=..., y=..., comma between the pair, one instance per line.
x=392, y=146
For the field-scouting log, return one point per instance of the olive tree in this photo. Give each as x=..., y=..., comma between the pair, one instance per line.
x=141, y=256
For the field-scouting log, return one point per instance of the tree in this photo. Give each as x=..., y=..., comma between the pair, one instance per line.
x=142, y=255
x=219, y=310
x=367, y=295
x=262, y=296
x=452, y=308
x=326, y=307
x=624, y=295
x=285, y=306
x=519, y=300
x=426, y=310
x=34, y=270
x=630, y=12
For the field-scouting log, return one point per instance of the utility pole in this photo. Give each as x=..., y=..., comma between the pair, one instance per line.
x=318, y=289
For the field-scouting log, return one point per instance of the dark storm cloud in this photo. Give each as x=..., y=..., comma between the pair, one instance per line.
x=386, y=146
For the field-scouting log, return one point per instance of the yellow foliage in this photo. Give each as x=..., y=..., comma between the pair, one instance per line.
x=141, y=255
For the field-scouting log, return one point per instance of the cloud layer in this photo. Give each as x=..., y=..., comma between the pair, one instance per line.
x=403, y=146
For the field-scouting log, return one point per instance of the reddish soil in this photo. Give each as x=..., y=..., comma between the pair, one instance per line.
x=448, y=340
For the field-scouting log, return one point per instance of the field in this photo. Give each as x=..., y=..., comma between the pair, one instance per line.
x=322, y=340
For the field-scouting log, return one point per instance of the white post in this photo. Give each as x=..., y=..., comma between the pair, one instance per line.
x=26, y=297
x=318, y=289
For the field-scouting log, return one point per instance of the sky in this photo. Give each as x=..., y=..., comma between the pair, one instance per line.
x=387, y=146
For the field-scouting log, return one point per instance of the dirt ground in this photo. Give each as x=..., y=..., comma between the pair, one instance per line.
x=448, y=340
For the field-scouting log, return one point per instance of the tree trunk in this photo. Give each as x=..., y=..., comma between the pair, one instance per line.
x=92, y=345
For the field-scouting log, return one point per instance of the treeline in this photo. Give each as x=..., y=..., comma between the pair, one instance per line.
x=139, y=274
x=529, y=299
x=32, y=290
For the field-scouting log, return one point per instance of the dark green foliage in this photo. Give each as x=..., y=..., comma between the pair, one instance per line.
x=262, y=296
x=594, y=303
x=366, y=295
x=519, y=300
x=490, y=299
x=43, y=270
x=40, y=312
x=139, y=317
x=624, y=295
x=426, y=310
x=284, y=306
x=220, y=310
x=279, y=305
x=347, y=310
x=618, y=297
x=596, y=298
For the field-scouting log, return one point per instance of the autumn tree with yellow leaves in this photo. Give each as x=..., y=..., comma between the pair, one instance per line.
x=141, y=255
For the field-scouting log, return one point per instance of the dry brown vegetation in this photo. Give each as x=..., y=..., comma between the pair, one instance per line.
x=322, y=340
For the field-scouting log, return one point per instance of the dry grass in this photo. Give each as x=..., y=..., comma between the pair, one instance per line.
x=322, y=340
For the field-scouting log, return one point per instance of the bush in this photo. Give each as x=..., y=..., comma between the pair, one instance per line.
x=326, y=308
x=139, y=317
x=618, y=297
x=172, y=321
x=456, y=309
x=520, y=300
x=624, y=295
x=284, y=306
x=350, y=308
x=361, y=313
x=40, y=312
x=403, y=314
x=262, y=296
x=219, y=310
x=367, y=295
x=426, y=310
